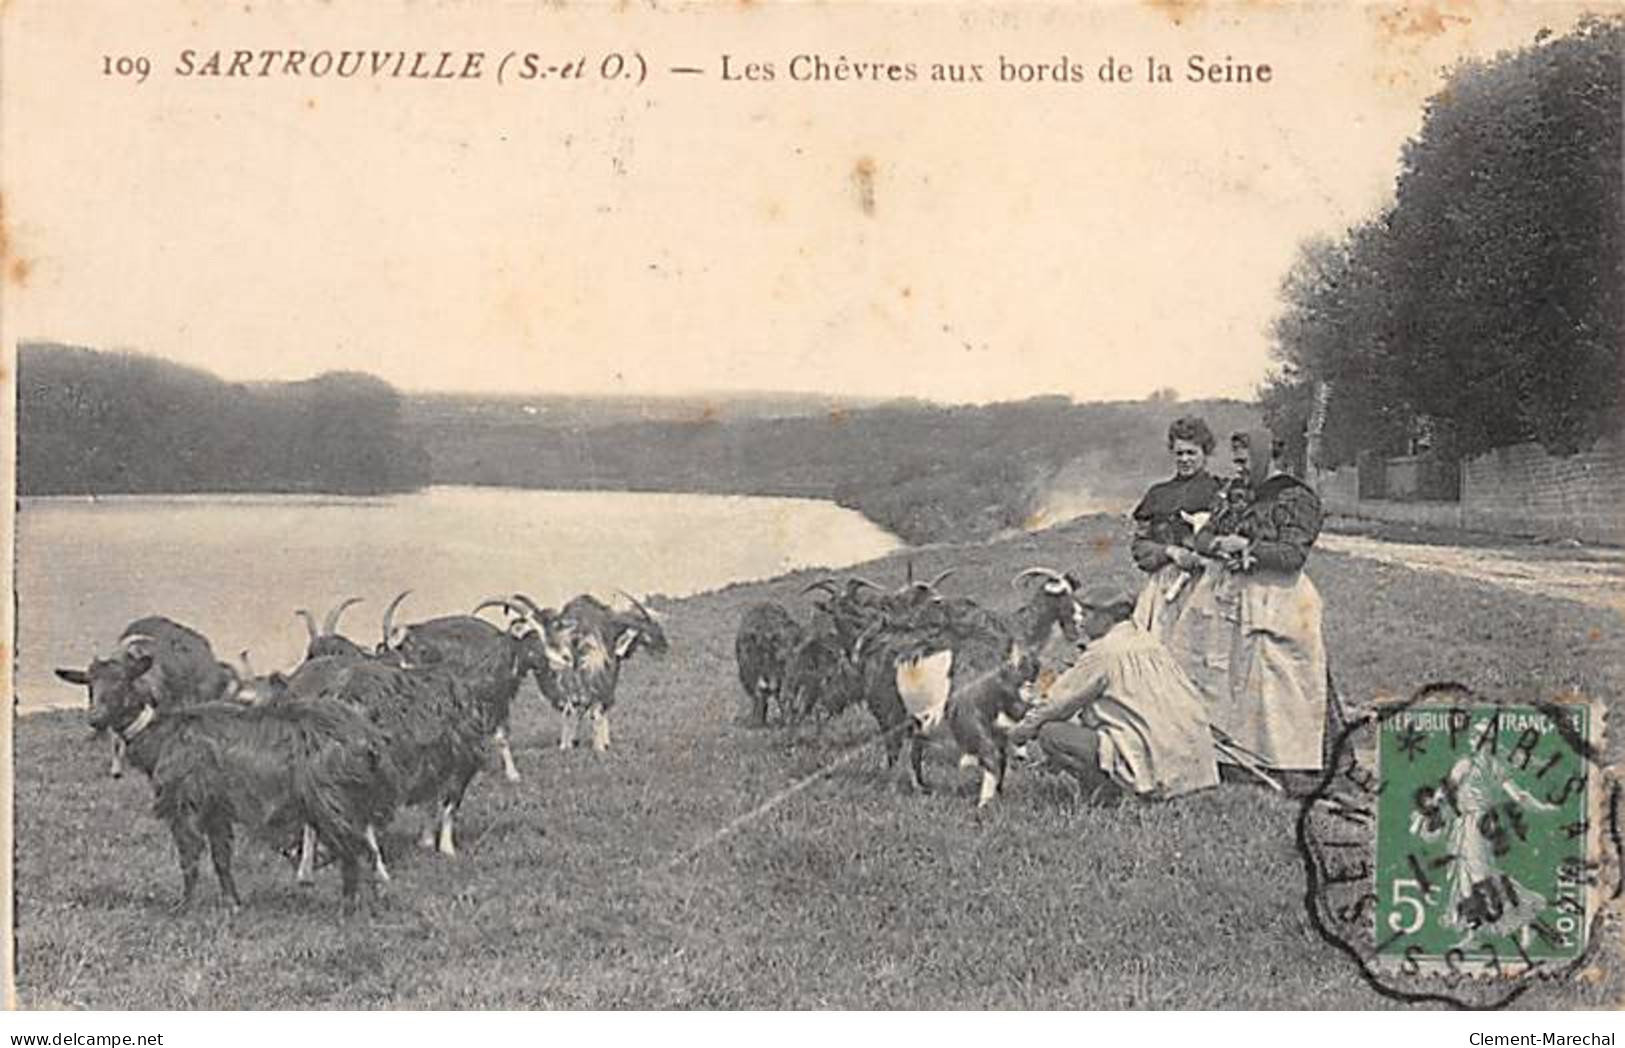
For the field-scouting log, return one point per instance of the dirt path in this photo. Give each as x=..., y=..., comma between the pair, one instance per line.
x=1589, y=575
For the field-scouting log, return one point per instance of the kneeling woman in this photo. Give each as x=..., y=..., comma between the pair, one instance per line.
x=1124, y=718
x=1276, y=706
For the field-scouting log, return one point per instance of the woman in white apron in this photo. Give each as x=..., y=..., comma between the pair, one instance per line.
x=1276, y=705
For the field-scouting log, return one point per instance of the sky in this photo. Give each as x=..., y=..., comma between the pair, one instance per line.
x=957, y=242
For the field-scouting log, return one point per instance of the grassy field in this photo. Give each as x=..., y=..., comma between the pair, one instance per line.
x=851, y=894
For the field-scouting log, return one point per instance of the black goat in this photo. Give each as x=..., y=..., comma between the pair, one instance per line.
x=820, y=681
x=160, y=661
x=471, y=671
x=433, y=729
x=492, y=661
x=916, y=644
x=271, y=769
x=978, y=717
x=768, y=637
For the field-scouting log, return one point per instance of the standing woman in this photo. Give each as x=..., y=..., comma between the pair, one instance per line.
x=1164, y=528
x=1176, y=603
x=1276, y=708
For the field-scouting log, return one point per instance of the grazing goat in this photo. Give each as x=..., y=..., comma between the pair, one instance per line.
x=600, y=640
x=820, y=681
x=270, y=769
x=158, y=659
x=767, y=639
x=878, y=633
x=327, y=641
x=532, y=644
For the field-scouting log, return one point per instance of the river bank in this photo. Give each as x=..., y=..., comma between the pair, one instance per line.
x=853, y=894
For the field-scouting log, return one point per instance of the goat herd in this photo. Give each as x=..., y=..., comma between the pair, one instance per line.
x=925, y=665
x=323, y=756
x=318, y=759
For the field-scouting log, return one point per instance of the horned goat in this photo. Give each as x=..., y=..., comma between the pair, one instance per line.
x=167, y=663
x=270, y=769
x=493, y=660
x=600, y=640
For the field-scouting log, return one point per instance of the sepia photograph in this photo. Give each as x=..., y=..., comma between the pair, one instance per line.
x=963, y=506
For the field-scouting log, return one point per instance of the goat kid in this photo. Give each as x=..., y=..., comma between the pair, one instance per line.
x=977, y=719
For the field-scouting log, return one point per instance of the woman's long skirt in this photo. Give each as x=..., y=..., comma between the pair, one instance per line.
x=1276, y=706
x=1199, y=625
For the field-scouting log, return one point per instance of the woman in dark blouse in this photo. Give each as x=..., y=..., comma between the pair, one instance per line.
x=1163, y=529
x=1276, y=706
x=1176, y=602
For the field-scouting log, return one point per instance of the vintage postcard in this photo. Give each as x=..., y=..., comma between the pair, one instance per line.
x=850, y=506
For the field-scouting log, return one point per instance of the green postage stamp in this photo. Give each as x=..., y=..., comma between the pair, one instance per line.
x=1462, y=849
x=1484, y=835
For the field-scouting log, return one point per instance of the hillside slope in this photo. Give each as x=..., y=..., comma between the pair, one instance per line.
x=926, y=473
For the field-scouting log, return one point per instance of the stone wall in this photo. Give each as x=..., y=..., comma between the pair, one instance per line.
x=1519, y=490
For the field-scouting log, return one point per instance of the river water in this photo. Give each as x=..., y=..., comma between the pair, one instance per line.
x=236, y=566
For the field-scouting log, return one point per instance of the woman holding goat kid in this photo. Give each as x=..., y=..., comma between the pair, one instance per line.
x=1229, y=599
x=1180, y=602
x=1274, y=710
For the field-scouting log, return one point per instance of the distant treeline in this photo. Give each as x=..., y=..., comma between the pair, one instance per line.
x=925, y=473
x=91, y=422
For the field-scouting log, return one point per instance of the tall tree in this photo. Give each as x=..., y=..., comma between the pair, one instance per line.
x=1488, y=298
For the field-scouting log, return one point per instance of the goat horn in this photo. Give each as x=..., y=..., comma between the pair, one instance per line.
x=859, y=580
x=535, y=609
x=331, y=623
x=494, y=602
x=310, y=623
x=636, y=603
x=936, y=581
x=389, y=614
x=129, y=640
x=1048, y=573
x=248, y=667
x=827, y=585
x=909, y=580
